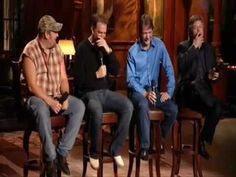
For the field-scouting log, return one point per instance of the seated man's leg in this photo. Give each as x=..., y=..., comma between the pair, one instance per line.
x=95, y=110
x=206, y=103
x=141, y=106
x=212, y=114
x=75, y=112
x=123, y=107
x=41, y=112
x=170, y=110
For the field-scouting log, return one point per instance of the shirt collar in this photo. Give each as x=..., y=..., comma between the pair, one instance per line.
x=153, y=44
x=40, y=46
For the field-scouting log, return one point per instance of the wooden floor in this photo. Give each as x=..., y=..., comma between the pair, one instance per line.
x=223, y=163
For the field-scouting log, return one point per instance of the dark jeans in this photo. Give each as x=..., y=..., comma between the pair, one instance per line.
x=142, y=107
x=200, y=98
x=103, y=101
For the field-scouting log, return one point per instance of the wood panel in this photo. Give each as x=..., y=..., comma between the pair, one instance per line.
x=121, y=51
x=61, y=10
x=125, y=19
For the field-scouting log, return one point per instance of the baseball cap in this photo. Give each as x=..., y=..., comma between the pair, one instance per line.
x=48, y=23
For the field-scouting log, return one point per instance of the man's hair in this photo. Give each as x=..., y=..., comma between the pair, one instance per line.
x=191, y=21
x=96, y=18
x=145, y=20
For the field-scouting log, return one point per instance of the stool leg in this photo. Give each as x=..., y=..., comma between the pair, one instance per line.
x=195, y=148
x=131, y=161
x=26, y=137
x=137, y=166
x=137, y=149
x=179, y=150
x=157, y=131
x=85, y=154
x=58, y=172
x=199, y=166
x=198, y=157
x=151, y=149
x=175, y=148
x=100, y=170
x=42, y=166
x=150, y=163
x=115, y=169
x=131, y=149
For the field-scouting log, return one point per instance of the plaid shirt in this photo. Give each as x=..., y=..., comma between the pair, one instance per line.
x=48, y=73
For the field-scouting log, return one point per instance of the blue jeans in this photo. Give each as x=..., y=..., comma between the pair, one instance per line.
x=142, y=107
x=41, y=112
x=104, y=100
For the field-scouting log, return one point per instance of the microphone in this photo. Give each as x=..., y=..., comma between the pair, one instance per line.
x=100, y=56
x=154, y=89
x=63, y=98
x=61, y=101
x=154, y=86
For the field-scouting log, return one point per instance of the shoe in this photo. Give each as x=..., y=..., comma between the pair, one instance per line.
x=63, y=165
x=94, y=163
x=202, y=150
x=144, y=154
x=51, y=169
x=119, y=161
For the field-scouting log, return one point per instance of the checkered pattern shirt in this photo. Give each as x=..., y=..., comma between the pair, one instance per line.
x=48, y=73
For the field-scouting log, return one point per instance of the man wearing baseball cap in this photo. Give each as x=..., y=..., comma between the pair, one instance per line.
x=45, y=74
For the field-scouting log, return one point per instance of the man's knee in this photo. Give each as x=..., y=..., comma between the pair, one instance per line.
x=79, y=105
x=128, y=105
x=172, y=111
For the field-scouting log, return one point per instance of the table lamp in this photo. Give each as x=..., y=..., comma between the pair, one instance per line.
x=67, y=47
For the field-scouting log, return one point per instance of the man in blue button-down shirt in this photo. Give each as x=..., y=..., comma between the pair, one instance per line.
x=144, y=60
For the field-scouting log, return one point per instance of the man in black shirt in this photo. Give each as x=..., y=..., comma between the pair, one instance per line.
x=195, y=61
x=94, y=61
x=197, y=70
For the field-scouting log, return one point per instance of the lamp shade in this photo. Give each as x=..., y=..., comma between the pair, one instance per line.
x=67, y=47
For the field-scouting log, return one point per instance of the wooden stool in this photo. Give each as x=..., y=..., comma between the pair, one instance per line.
x=156, y=116
x=109, y=119
x=180, y=148
x=57, y=123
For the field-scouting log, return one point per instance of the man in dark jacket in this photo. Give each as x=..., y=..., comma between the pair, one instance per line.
x=197, y=70
x=94, y=61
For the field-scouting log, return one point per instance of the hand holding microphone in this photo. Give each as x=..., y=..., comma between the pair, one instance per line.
x=101, y=72
x=151, y=94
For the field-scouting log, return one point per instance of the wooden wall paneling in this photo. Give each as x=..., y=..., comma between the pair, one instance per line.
x=201, y=7
x=169, y=28
x=85, y=21
x=221, y=86
x=61, y=10
x=1, y=25
x=181, y=24
x=168, y=36
x=121, y=51
x=124, y=32
x=77, y=20
x=124, y=19
x=216, y=42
